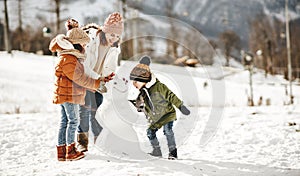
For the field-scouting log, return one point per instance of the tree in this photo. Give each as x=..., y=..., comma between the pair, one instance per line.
x=57, y=11
x=2, y=46
x=262, y=38
x=268, y=35
x=230, y=41
x=171, y=45
x=6, y=29
x=20, y=29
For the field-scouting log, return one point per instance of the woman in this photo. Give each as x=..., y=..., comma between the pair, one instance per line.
x=102, y=54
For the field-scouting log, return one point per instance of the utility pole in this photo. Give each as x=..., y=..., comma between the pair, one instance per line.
x=288, y=47
x=6, y=29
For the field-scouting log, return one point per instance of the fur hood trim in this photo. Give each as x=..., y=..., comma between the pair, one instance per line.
x=152, y=81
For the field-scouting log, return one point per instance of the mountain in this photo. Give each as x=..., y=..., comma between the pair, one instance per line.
x=209, y=17
x=214, y=17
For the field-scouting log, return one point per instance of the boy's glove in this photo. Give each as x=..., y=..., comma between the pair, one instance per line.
x=184, y=110
x=138, y=104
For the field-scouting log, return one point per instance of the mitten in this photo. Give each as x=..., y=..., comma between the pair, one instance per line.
x=184, y=110
x=102, y=88
x=139, y=105
x=109, y=77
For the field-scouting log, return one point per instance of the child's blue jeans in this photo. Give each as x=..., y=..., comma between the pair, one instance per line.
x=168, y=132
x=68, y=123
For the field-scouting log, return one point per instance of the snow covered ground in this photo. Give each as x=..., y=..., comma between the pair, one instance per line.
x=222, y=136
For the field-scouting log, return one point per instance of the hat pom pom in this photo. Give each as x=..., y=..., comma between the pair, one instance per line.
x=71, y=23
x=114, y=18
x=145, y=60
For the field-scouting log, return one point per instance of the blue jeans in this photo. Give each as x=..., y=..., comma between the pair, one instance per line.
x=168, y=132
x=87, y=113
x=68, y=123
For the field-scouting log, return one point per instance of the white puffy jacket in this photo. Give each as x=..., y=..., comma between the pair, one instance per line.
x=111, y=61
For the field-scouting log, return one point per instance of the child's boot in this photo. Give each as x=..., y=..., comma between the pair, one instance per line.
x=173, y=154
x=61, y=152
x=72, y=153
x=82, y=142
x=156, y=152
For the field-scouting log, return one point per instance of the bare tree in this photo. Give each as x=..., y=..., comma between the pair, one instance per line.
x=268, y=34
x=295, y=47
x=2, y=46
x=264, y=36
x=20, y=25
x=171, y=45
x=6, y=29
x=57, y=11
x=230, y=41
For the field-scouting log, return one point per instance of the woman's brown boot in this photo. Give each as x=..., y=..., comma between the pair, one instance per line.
x=82, y=142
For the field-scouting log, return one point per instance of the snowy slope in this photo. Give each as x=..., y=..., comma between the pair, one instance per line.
x=216, y=139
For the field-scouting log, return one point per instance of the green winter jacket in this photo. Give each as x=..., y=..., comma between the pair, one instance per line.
x=158, y=101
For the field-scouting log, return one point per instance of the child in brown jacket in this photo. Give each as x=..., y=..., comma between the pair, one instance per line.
x=70, y=86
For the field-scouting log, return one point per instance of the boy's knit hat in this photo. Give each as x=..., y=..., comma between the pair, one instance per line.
x=113, y=24
x=141, y=72
x=76, y=35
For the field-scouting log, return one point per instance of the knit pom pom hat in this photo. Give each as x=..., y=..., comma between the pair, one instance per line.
x=113, y=24
x=76, y=35
x=141, y=72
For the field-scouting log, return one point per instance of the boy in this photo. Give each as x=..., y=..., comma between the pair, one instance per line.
x=156, y=100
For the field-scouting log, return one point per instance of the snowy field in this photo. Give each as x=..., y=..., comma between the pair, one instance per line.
x=222, y=136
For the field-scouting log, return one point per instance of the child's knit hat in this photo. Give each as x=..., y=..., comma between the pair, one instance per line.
x=76, y=35
x=113, y=24
x=141, y=72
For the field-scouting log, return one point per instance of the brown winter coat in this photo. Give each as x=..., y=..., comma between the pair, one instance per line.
x=70, y=80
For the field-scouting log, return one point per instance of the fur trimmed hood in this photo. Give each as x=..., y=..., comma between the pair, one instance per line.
x=62, y=46
x=151, y=82
x=60, y=42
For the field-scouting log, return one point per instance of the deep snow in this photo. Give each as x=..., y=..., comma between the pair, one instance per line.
x=222, y=136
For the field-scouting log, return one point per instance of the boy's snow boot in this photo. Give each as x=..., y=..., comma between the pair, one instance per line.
x=82, y=142
x=61, y=153
x=72, y=153
x=156, y=152
x=173, y=154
